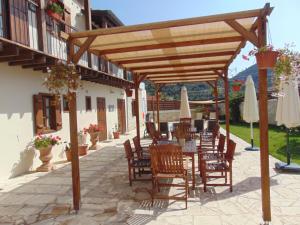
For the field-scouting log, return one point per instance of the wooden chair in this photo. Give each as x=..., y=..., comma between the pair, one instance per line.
x=135, y=163
x=208, y=139
x=222, y=165
x=154, y=134
x=142, y=152
x=212, y=153
x=211, y=125
x=167, y=163
x=184, y=129
x=164, y=129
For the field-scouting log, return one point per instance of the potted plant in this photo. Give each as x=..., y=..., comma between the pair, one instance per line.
x=44, y=144
x=236, y=85
x=55, y=9
x=68, y=152
x=266, y=56
x=93, y=131
x=82, y=146
x=116, y=132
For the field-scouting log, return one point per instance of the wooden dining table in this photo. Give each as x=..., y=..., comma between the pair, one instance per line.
x=189, y=150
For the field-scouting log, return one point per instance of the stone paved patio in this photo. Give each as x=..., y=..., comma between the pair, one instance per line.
x=39, y=198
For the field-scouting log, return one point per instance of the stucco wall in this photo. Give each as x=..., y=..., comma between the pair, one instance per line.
x=17, y=87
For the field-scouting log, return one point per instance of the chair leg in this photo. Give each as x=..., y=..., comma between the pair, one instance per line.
x=134, y=173
x=186, y=192
x=129, y=176
x=230, y=177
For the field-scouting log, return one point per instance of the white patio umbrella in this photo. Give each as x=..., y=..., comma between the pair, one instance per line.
x=250, y=111
x=288, y=114
x=185, y=111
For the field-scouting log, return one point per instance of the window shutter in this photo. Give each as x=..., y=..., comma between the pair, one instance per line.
x=38, y=113
x=57, y=111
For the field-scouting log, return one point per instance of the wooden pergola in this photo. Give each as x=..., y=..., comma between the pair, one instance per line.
x=180, y=51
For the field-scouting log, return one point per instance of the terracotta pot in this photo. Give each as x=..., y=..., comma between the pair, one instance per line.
x=116, y=135
x=54, y=15
x=45, y=157
x=267, y=59
x=68, y=155
x=82, y=150
x=94, y=139
x=236, y=88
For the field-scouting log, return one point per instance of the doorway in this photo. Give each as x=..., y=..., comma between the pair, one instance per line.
x=101, y=117
x=122, y=116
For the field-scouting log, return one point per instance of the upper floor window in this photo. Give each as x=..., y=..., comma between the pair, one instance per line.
x=88, y=103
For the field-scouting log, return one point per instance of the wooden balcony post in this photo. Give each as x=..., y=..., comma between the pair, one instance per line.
x=74, y=142
x=263, y=126
x=227, y=112
x=88, y=24
x=153, y=109
x=42, y=27
x=137, y=111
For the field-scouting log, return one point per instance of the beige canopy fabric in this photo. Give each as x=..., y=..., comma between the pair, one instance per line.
x=178, y=51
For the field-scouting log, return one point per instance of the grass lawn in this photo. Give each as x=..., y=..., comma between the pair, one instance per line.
x=277, y=140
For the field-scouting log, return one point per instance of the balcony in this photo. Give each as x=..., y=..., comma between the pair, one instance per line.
x=21, y=33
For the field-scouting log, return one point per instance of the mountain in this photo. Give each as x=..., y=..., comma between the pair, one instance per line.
x=253, y=71
x=202, y=91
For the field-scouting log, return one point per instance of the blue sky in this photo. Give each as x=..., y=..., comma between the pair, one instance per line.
x=283, y=23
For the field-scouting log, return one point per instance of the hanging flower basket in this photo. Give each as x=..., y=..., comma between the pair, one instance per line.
x=128, y=92
x=267, y=59
x=54, y=15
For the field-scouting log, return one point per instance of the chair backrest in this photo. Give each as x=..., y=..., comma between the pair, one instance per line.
x=138, y=147
x=167, y=159
x=164, y=127
x=212, y=115
x=221, y=144
x=183, y=130
x=230, y=151
x=185, y=120
x=199, y=124
x=211, y=125
x=215, y=130
x=128, y=150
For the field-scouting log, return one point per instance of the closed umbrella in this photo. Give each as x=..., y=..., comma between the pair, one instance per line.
x=250, y=110
x=288, y=114
x=185, y=111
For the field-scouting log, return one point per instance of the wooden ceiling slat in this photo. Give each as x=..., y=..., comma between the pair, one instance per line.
x=184, y=81
x=184, y=77
x=172, y=45
x=177, y=65
x=183, y=70
x=175, y=57
x=180, y=75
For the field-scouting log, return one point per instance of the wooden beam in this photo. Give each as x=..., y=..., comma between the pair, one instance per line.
x=181, y=75
x=25, y=55
x=210, y=84
x=169, y=24
x=250, y=36
x=182, y=71
x=137, y=107
x=141, y=78
x=178, y=65
x=83, y=48
x=263, y=126
x=157, y=93
x=74, y=141
x=227, y=111
x=184, y=81
x=183, y=78
x=9, y=50
x=220, y=74
x=216, y=100
x=170, y=45
x=174, y=57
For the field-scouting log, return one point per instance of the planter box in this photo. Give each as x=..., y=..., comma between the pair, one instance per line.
x=116, y=135
x=266, y=60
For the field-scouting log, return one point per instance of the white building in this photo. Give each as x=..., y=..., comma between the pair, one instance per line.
x=30, y=43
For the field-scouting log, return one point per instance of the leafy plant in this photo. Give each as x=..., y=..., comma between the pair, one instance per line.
x=238, y=83
x=55, y=6
x=92, y=129
x=262, y=49
x=42, y=141
x=62, y=79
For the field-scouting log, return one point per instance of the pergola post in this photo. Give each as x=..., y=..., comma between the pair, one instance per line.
x=137, y=107
x=157, y=92
x=216, y=100
x=74, y=142
x=153, y=109
x=227, y=112
x=263, y=125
